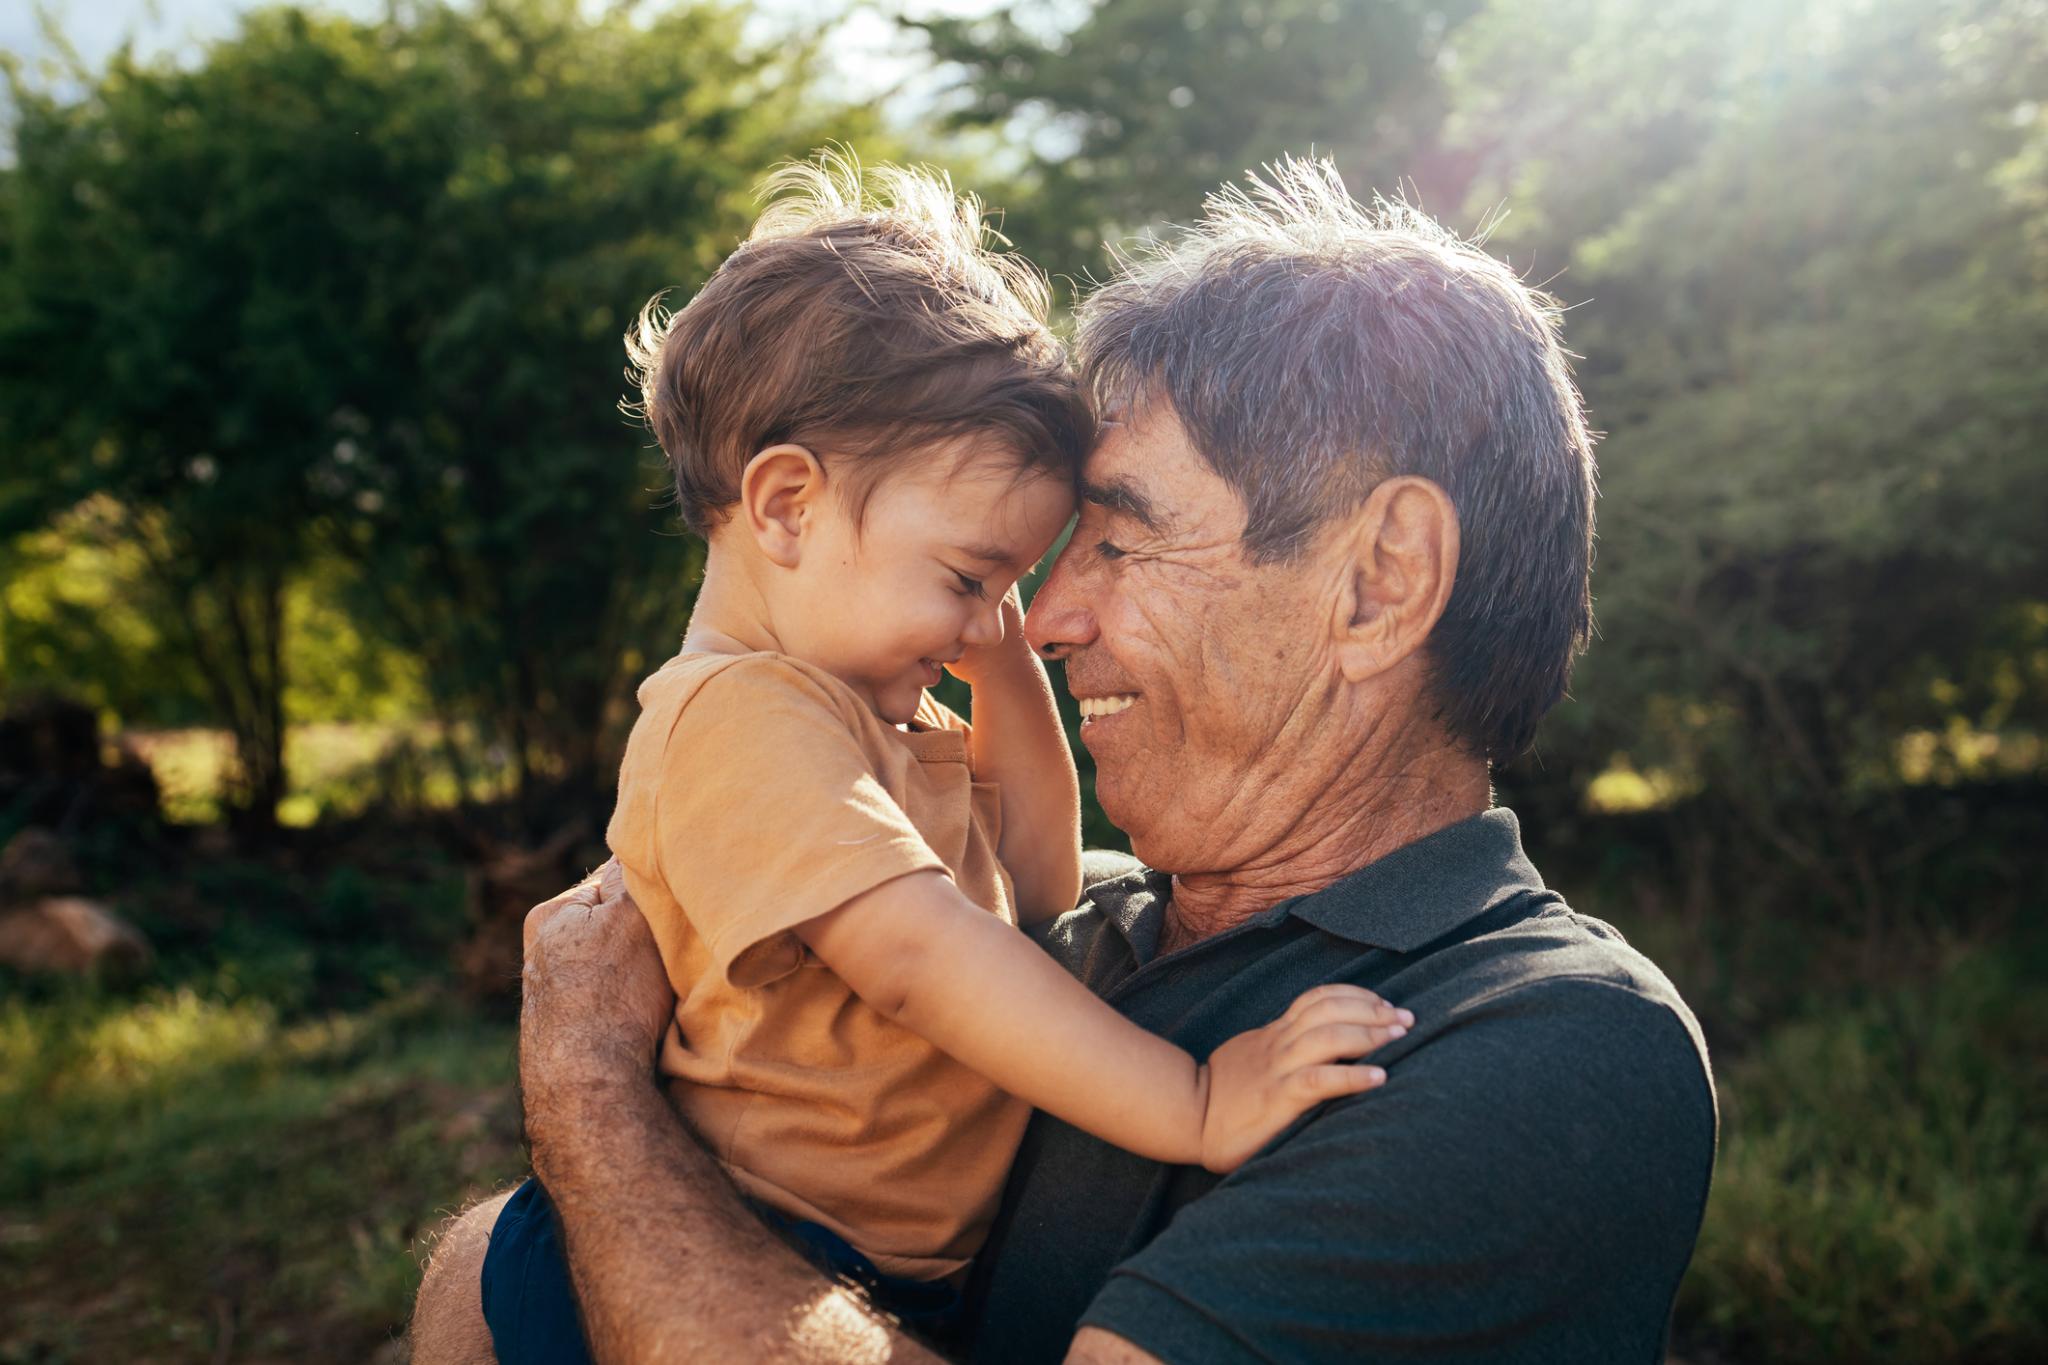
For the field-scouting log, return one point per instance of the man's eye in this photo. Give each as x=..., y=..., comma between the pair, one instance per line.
x=1109, y=551
x=969, y=587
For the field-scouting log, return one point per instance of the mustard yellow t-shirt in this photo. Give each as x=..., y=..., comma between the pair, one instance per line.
x=759, y=792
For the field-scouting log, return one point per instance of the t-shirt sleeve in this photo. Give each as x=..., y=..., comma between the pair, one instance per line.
x=770, y=814
x=1527, y=1193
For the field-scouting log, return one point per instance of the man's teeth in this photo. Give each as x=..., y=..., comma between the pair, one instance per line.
x=1091, y=707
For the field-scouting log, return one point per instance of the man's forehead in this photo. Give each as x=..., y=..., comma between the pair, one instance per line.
x=1144, y=466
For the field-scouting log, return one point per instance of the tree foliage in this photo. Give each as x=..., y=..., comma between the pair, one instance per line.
x=1812, y=259
x=339, y=305
x=1806, y=249
x=1143, y=106
x=353, y=292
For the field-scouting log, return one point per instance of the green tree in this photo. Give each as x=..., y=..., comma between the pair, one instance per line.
x=1812, y=248
x=356, y=290
x=1805, y=248
x=173, y=330
x=1141, y=107
x=504, y=513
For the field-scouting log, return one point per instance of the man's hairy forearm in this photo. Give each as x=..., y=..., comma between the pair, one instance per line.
x=667, y=1262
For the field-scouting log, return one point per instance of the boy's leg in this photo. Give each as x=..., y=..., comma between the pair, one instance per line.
x=447, y=1316
x=528, y=1303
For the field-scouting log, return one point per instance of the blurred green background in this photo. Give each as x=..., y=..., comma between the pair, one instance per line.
x=328, y=566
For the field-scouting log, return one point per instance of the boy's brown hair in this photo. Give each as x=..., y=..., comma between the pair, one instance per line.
x=867, y=316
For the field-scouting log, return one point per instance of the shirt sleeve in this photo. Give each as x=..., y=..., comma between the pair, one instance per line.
x=769, y=814
x=1528, y=1193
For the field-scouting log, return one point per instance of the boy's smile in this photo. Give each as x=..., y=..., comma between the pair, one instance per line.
x=889, y=599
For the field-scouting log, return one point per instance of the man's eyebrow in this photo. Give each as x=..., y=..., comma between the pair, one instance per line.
x=1124, y=497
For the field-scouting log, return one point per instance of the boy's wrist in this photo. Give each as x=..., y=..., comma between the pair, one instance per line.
x=1009, y=659
x=1008, y=663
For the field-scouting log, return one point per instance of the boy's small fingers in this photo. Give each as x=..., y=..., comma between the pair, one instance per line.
x=1334, y=1041
x=1350, y=1010
x=1308, y=999
x=1337, y=1078
x=1309, y=1013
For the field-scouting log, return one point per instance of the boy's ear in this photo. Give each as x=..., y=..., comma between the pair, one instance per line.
x=779, y=490
x=1399, y=560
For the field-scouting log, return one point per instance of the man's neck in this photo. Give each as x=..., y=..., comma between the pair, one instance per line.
x=1389, y=802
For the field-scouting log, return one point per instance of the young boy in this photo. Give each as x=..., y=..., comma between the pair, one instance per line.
x=870, y=424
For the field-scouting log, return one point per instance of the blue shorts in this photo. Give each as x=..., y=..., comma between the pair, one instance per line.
x=531, y=1310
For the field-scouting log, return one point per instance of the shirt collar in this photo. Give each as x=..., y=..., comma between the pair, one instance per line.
x=1424, y=890
x=1136, y=904
x=1412, y=897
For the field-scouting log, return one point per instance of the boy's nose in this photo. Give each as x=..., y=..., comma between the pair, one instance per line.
x=985, y=627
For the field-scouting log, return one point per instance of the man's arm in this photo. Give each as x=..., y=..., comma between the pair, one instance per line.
x=668, y=1264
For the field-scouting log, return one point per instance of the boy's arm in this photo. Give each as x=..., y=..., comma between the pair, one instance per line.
x=1018, y=742
x=918, y=951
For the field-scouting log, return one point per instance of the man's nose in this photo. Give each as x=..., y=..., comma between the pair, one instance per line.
x=1060, y=620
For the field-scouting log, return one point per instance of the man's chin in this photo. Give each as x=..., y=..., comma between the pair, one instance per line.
x=1108, y=795
x=1136, y=818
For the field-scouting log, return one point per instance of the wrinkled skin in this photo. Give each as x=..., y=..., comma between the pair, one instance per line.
x=1281, y=726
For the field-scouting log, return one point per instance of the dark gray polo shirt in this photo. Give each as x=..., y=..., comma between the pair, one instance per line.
x=1526, y=1186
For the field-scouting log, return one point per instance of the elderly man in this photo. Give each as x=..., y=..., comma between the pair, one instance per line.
x=1331, y=565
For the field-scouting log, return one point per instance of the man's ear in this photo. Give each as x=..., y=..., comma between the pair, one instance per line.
x=779, y=489
x=1399, y=560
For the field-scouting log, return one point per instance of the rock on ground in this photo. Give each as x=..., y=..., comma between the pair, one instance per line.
x=73, y=935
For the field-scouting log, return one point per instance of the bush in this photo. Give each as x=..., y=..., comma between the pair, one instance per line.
x=1882, y=1189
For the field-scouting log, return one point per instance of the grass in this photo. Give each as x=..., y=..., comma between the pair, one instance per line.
x=238, y=1158
x=190, y=1176
x=1882, y=1188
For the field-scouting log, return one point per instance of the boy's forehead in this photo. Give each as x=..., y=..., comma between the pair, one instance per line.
x=958, y=461
x=987, y=503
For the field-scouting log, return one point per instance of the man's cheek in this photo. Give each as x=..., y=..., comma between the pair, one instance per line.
x=1149, y=635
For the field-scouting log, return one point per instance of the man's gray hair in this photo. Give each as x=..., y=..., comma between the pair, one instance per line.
x=1311, y=347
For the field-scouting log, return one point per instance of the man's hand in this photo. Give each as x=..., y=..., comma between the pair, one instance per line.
x=596, y=1003
x=1262, y=1080
x=667, y=1263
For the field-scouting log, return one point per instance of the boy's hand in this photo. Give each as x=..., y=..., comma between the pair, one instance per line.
x=984, y=661
x=1261, y=1081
